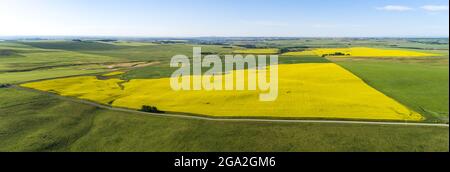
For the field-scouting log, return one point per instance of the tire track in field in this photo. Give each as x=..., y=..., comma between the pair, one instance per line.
x=76, y=100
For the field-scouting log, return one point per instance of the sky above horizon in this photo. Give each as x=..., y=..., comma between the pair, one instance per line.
x=193, y=18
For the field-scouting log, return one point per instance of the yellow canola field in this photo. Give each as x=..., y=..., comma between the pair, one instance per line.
x=362, y=52
x=305, y=91
x=83, y=87
x=257, y=51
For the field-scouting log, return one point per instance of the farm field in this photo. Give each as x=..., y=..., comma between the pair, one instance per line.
x=115, y=72
x=361, y=52
x=257, y=51
x=319, y=90
x=37, y=60
x=32, y=121
x=412, y=82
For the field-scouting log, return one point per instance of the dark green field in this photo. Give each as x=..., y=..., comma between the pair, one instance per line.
x=31, y=121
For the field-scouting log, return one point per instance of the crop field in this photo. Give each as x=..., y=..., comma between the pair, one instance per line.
x=319, y=91
x=51, y=92
x=18, y=77
x=361, y=52
x=114, y=73
x=410, y=81
x=257, y=51
x=32, y=121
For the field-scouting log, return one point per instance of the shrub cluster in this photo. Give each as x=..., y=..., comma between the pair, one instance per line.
x=5, y=85
x=151, y=109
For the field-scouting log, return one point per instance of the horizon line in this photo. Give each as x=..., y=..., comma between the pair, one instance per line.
x=190, y=37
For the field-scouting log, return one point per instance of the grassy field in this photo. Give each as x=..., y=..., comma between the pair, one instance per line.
x=37, y=122
x=32, y=121
x=35, y=60
x=418, y=44
x=257, y=51
x=362, y=52
x=420, y=84
x=26, y=63
x=18, y=77
x=164, y=70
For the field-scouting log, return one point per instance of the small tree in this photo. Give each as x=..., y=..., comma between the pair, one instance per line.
x=4, y=85
x=151, y=109
x=339, y=54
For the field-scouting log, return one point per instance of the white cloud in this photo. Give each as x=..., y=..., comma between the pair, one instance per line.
x=435, y=8
x=395, y=8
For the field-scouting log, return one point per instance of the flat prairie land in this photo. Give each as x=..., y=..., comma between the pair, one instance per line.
x=421, y=84
x=257, y=51
x=361, y=52
x=309, y=90
x=32, y=121
x=407, y=88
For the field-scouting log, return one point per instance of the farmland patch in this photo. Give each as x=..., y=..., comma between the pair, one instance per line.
x=257, y=51
x=360, y=52
x=305, y=91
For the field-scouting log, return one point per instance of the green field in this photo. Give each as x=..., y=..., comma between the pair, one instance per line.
x=423, y=86
x=37, y=122
x=32, y=121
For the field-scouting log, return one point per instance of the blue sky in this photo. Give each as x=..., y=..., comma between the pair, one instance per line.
x=187, y=18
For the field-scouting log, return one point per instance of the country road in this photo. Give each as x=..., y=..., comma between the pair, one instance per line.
x=227, y=119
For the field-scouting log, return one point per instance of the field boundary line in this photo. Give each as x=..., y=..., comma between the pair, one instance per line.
x=76, y=100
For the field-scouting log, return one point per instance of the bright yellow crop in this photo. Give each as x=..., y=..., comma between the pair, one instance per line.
x=305, y=91
x=84, y=87
x=361, y=52
x=257, y=51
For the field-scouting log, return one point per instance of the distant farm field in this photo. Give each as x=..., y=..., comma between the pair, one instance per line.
x=114, y=73
x=360, y=52
x=305, y=91
x=257, y=51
